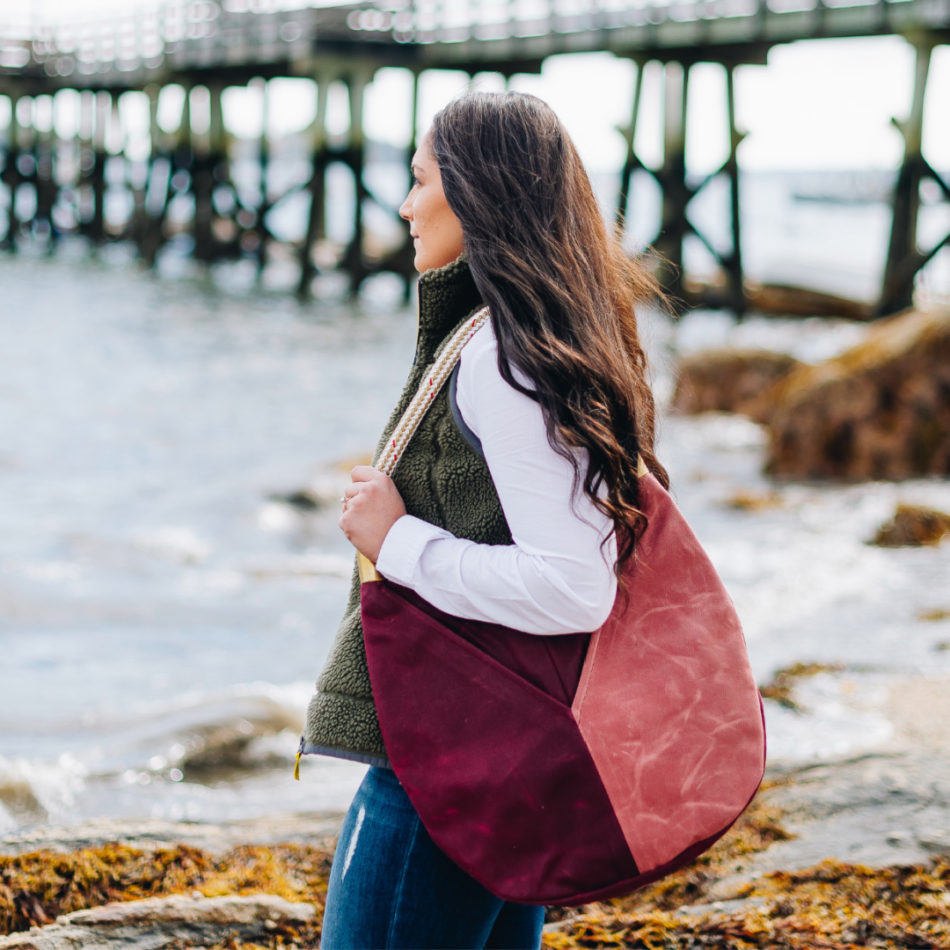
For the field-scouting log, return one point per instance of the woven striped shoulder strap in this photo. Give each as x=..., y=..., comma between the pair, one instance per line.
x=432, y=382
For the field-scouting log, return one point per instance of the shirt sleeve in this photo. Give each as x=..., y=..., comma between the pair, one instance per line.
x=557, y=574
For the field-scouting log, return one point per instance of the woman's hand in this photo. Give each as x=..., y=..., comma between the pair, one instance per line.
x=371, y=506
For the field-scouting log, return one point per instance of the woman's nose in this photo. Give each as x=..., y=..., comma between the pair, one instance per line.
x=404, y=210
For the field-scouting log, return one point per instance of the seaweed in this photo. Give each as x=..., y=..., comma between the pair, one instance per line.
x=913, y=526
x=37, y=887
x=752, y=501
x=832, y=906
x=782, y=686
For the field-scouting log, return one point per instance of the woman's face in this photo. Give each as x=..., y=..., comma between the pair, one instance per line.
x=436, y=232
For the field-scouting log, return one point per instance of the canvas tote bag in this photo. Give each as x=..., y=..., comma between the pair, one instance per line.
x=565, y=769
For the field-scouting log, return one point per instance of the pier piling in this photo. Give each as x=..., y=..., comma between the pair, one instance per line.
x=316, y=187
x=677, y=192
x=11, y=176
x=905, y=259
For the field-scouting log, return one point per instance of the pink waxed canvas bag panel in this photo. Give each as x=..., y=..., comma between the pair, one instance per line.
x=667, y=703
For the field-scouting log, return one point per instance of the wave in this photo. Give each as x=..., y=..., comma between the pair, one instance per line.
x=211, y=739
x=204, y=730
x=32, y=792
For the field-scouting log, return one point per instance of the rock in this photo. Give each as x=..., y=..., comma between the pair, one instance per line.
x=729, y=381
x=913, y=526
x=786, y=300
x=881, y=410
x=879, y=810
x=303, y=498
x=887, y=806
x=163, y=921
x=792, y=301
x=149, y=834
x=324, y=488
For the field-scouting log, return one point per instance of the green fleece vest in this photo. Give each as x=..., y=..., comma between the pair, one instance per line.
x=442, y=480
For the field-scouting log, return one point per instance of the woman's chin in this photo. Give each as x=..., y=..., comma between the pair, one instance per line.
x=423, y=262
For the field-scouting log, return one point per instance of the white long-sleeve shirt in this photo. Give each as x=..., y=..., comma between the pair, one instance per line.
x=555, y=576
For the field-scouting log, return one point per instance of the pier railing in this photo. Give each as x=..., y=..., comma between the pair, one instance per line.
x=151, y=41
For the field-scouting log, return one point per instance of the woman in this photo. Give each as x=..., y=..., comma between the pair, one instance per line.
x=516, y=500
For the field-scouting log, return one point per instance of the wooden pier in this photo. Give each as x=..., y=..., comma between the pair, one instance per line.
x=54, y=186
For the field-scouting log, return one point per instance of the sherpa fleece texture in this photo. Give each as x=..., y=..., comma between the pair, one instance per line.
x=442, y=480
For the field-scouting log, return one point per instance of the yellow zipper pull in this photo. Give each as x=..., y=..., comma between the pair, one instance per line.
x=297, y=769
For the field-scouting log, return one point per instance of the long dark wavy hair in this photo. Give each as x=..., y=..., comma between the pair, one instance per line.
x=561, y=290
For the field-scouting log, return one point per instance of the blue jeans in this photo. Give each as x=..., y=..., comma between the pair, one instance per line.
x=390, y=886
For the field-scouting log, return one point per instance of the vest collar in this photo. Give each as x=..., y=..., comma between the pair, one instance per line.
x=446, y=296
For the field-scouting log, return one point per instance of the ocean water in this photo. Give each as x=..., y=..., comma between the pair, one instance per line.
x=164, y=611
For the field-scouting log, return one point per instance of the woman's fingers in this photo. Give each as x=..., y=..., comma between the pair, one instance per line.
x=371, y=505
x=362, y=476
x=365, y=473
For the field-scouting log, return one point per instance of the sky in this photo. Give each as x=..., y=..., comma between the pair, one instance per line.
x=816, y=104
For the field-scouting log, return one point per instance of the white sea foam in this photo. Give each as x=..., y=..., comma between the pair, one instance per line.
x=810, y=340
x=178, y=542
x=36, y=791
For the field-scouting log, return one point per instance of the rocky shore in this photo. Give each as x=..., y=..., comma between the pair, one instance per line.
x=837, y=854
x=879, y=410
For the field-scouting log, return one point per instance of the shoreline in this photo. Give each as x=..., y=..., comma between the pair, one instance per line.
x=814, y=833
x=916, y=707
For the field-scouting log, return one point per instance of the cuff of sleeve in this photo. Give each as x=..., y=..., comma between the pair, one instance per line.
x=403, y=546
